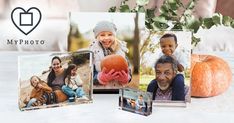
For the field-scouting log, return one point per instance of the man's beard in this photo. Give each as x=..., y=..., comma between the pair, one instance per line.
x=163, y=87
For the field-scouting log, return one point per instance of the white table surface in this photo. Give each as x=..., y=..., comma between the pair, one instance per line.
x=104, y=108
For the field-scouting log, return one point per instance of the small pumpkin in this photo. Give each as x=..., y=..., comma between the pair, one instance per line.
x=210, y=75
x=116, y=62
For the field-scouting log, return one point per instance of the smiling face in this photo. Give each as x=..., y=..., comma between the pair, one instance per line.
x=168, y=45
x=164, y=75
x=140, y=98
x=34, y=81
x=73, y=71
x=56, y=65
x=106, y=39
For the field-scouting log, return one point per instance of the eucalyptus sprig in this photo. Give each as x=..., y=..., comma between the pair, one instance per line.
x=169, y=19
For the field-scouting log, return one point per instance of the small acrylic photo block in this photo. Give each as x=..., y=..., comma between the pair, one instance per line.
x=135, y=101
x=55, y=79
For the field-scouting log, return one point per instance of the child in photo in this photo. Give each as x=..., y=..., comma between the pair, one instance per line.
x=106, y=44
x=40, y=92
x=73, y=84
x=140, y=104
x=168, y=44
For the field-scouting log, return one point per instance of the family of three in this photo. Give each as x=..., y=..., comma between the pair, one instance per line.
x=61, y=84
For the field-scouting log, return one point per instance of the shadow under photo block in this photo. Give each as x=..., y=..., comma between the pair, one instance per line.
x=114, y=43
x=55, y=79
x=165, y=67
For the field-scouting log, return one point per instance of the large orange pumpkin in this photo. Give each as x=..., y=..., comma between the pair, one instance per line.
x=210, y=75
x=116, y=62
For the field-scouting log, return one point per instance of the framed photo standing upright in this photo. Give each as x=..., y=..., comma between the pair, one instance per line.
x=114, y=40
x=165, y=67
x=55, y=79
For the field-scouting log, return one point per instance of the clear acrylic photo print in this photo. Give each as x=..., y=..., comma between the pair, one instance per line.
x=165, y=67
x=135, y=101
x=114, y=39
x=55, y=79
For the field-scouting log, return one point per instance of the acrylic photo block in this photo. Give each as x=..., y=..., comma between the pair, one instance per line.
x=135, y=101
x=114, y=39
x=165, y=67
x=55, y=79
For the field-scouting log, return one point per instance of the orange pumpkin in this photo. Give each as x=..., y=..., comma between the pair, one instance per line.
x=116, y=62
x=210, y=75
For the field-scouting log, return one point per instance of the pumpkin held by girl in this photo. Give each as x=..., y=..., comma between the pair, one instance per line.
x=116, y=62
x=210, y=75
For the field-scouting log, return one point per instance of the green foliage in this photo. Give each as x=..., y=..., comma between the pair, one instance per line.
x=124, y=8
x=169, y=15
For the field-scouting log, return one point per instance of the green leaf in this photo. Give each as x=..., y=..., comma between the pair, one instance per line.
x=173, y=12
x=160, y=19
x=180, y=4
x=217, y=19
x=148, y=25
x=195, y=40
x=124, y=8
x=166, y=16
x=163, y=9
x=112, y=9
x=159, y=26
x=232, y=24
x=150, y=13
x=177, y=26
x=208, y=23
x=227, y=20
x=173, y=6
x=192, y=23
x=141, y=9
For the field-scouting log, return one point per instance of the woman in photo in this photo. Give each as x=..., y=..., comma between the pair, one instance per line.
x=56, y=79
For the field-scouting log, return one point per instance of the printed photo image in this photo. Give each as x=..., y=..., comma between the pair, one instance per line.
x=55, y=79
x=114, y=40
x=165, y=66
x=135, y=101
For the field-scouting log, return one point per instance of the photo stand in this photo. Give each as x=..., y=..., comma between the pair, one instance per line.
x=166, y=67
x=135, y=101
x=35, y=71
x=86, y=32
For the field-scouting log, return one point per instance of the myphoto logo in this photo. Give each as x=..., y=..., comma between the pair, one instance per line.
x=26, y=21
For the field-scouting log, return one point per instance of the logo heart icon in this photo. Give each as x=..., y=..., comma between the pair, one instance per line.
x=26, y=21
